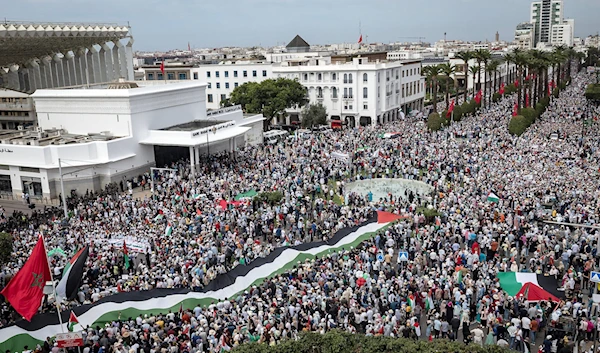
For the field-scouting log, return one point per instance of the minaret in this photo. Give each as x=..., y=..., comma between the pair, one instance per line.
x=497, y=37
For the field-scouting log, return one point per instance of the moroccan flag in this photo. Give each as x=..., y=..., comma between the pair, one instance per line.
x=501, y=91
x=162, y=68
x=450, y=109
x=516, y=83
x=478, y=97
x=69, y=283
x=126, y=256
x=26, y=289
x=360, y=39
x=169, y=229
x=516, y=110
x=72, y=321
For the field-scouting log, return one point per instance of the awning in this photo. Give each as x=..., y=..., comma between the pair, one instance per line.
x=185, y=139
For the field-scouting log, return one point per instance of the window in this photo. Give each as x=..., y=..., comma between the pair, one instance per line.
x=350, y=107
x=264, y=73
x=379, y=77
x=235, y=85
x=334, y=77
x=218, y=85
x=170, y=76
x=150, y=76
x=208, y=74
x=403, y=90
x=30, y=170
x=403, y=71
x=183, y=76
x=235, y=73
x=305, y=77
x=195, y=75
x=209, y=85
x=216, y=73
x=319, y=92
x=350, y=93
x=227, y=85
x=365, y=78
x=365, y=95
x=210, y=98
x=396, y=74
x=159, y=76
x=226, y=73
x=319, y=77
x=253, y=73
x=345, y=92
x=349, y=78
x=334, y=93
x=365, y=107
x=223, y=97
x=245, y=73
x=345, y=78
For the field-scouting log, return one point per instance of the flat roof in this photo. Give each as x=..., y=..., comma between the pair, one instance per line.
x=104, y=92
x=187, y=140
x=194, y=125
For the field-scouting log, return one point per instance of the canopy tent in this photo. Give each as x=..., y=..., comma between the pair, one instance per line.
x=534, y=293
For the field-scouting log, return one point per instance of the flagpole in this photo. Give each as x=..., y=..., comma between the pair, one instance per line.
x=53, y=287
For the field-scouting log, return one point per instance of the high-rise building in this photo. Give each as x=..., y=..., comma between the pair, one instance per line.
x=545, y=14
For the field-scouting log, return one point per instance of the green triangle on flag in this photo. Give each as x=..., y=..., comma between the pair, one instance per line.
x=493, y=197
x=72, y=321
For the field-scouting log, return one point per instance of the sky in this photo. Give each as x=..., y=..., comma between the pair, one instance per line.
x=171, y=24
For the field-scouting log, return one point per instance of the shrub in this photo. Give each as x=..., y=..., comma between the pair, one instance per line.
x=592, y=92
x=458, y=113
x=435, y=122
x=272, y=198
x=555, y=92
x=517, y=125
x=510, y=89
x=529, y=114
x=496, y=97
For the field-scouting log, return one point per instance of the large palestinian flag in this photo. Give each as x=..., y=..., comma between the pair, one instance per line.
x=69, y=283
x=512, y=282
x=132, y=304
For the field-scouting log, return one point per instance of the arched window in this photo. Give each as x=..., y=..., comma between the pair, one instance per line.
x=305, y=77
x=334, y=77
x=365, y=92
x=365, y=78
x=334, y=93
x=345, y=78
x=319, y=77
x=349, y=78
x=319, y=92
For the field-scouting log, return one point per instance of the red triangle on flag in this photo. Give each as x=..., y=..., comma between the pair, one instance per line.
x=387, y=217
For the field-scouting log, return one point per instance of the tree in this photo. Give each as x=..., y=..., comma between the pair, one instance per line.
x=474, y=70
x=432, y=73
x=314, y=114
x=492, y=68
x=483, y=56
x=447, y=69
x=6, y=248
x=466, y=56
x=269, y=97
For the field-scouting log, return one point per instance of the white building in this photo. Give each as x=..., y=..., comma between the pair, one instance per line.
x=360, y=91
x=524, y=36
x=549, y=26
x=102, y=135
x=563, y=34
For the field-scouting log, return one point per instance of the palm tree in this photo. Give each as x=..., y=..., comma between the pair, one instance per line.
x=492, y=68
x=559, y=56
x=432, y=73
x=482, y=56
x=509, y=58
x=466, y=56
x=474, y=70
x=520, y=60
x=447, y=70
x=571, y=53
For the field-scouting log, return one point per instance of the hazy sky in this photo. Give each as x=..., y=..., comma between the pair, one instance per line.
x=170, y=24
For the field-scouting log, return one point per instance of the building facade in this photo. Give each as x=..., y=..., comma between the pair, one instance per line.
x=16, y=109
x=113, y=133
x=524, y=35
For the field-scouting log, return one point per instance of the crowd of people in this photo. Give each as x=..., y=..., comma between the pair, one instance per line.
x=447, y=289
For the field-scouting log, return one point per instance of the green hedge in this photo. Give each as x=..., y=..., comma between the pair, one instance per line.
x=342, y=342
x=517, y=125
x=496, y=97
x=435, y=122
x=592, y=92
x=556, y=92
x=510, y=89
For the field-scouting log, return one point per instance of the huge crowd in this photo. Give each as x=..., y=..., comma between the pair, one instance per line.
x=448, y=289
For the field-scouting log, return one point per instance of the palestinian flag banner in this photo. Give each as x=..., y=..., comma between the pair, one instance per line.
x=169, y=229
x=229, y=285
x=512, y=282
x=72, y=275
x=411, y=302
x=72, y=321
x=126, y=259
x=493, y=197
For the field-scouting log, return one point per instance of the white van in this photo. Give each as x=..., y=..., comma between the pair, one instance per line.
x=274, y=136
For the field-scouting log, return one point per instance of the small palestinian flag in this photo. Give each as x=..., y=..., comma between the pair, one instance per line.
x=73, y=273
x=72, y=321
x=169, y=229
x=126, y=256
x=493, y=197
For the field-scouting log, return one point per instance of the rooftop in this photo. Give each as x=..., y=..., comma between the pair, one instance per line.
x=33, y=137
x=193, y=125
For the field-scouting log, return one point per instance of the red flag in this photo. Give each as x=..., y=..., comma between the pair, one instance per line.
x=360, y=39
x=501, y=91
x=162, y=67
x=516, y=110
x=26, y=290
x=478, y=97
x=527, y=99
x=516, y=83
x=450, y=109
